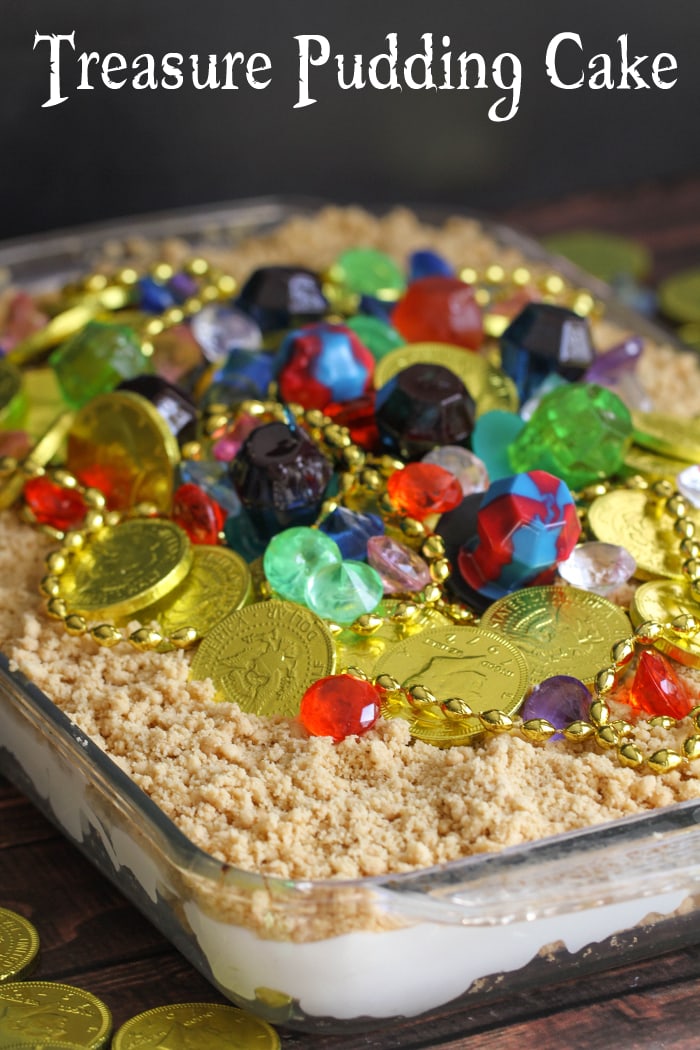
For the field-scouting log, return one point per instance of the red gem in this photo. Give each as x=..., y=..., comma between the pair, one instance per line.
x=53, y=505
x=656, y=689
x=198, y=514
x=339, y=706
x=439, y=310
x=358, y=416
x=421, y=489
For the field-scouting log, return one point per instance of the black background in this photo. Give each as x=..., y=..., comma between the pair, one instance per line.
x=107, y=153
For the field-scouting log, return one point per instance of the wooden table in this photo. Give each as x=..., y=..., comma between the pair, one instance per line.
x=93, y=938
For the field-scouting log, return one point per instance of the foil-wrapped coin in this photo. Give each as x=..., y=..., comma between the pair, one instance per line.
x=652, y=464
x=561, y=630
x=209, y=1026
x=363, y=651
x=19, y=946
x=265, y=656
x=38, y=1013
x=672, y=436
x=661, y=601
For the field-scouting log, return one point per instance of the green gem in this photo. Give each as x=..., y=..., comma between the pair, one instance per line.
x=579, y=432
x=293, y=556
x=96, y=360
x=367, y=271
x=378, y=336
x=344, y=591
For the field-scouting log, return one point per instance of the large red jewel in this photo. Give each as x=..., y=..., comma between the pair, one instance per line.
x=439, y=310
x=198, y=514
x=358, y=416
x=656, y=689
x=421, y=489
x=51, y=504
x=339, y=706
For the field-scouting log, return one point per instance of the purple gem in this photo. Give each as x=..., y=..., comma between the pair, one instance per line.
x=561, y=700
x=616, y=369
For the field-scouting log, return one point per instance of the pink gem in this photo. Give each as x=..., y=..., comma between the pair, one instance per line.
x=400, y=568
x=228, y=446
x=598, y=567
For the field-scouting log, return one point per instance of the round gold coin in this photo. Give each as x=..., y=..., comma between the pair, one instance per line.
x=662, y=601
x=652, y=464
x=605, y=255
x=668, y=435
x=208, y=1026
x=363, y=652
x=628, y=519
x=218, y=583
x=265, y=656
x=679, y=296
x=126, y=567
x=560, y=629
x=121, y=439
x=38, y=1012
x=19, y=946
x=488, y=385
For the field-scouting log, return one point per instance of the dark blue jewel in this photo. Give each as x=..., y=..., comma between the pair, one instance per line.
x=352, y=530
x=154, y=297
x=427, y=263
x=542, y=339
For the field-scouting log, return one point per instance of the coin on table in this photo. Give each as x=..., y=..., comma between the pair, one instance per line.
x=627, y=519
x=124, y=568
x=218, y=583
x=36, y=1012
x=121, y=444
x=662, y=601
x=679, y=296
x=560, y=629
x=668, y=435
x=19, y=945
x=264, y=657
x=210, y=1026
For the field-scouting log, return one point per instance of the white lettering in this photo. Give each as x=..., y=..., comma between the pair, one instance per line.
x=55, y=40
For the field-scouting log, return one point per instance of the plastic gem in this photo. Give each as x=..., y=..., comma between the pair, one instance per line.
x=422, y=406
x=427, y=263
x=198, y=514
x=422, y=489
x=15, y=443
x=545, y=338
x=154, y=297
x=493, y=434
x=230, y=443
x=213, y=478
x=440, y=310
x=616, y=369
x=293, y=556
x=245, y=374
x=96, y=359
x=174, y=405
x=23, y=317
x=598, y=567
x=367, y=271
x=561, y=699
x=358, y=416
x=339, y=706
x=656, y=689
x=323, y=363
x=469, y=470
x=400, y=568
x=688, y=482
x=344, y=591
x=379, y=337
x=51, y=504
x=351, y=530
x=281, y=296
x=580, y=432
x=221, y=329
x=526, y=525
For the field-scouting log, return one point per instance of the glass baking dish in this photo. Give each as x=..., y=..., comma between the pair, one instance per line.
x=343, y=955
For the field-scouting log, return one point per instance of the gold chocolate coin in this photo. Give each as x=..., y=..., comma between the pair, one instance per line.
x=679, y=296
x=560, y=629
x=12, y=401
x=363, y=652
x=662, y=601
x=39, y=1012
x=126, y=567
x=652, y=464
x=19, y=946
x=605, y=255
x=209, y=1026
x=265, y=656
x=628, y=519
x=218, y=583
x=668, y=435
x=488, y=385
x=121, y=437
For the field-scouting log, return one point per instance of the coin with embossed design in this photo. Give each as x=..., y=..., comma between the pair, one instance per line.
x=363, y=652
x=38, y=1013
x=668, y=435
x=559, y=629
x=208, y=1026
x=661, y=601
x=265, y=656
x=19, y=945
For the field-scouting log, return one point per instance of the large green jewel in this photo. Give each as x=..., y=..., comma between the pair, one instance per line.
x=367, y=271
x=344, y=591
x=580, y=432
x=96, y=360
x=295, y=554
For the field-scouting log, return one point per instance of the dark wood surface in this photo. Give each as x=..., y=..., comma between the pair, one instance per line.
x=93, y=938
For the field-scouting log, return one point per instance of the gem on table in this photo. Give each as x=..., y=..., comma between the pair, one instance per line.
x=616, y=369
x=493, y=434
x=96, y=359
x=688, y=482
x=52, y=504
x=545, y=338
x=280, y=477
x=174, y=405
x=427, y=263
x=469, y=470
x=229, y=444
x=359, y=417
x=344, y=591
x=526, y=525
x=352, y=530
x=422, y=489
x=221, y=329
x=561, y=700
x=324, y=362
x=598, y=567
x=656, y=688
x=378, y=336
x=580, y=432
x=293, y=556
x=278, y=297
x=442, y=310
x=212, y=477
x=198, y=514
x=367, y=271
x=340, y=706
x=400, y=568
x=422, y=406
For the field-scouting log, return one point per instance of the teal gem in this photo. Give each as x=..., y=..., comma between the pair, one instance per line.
x=579, y=432
x=343, y=592
x=96, y=360
x=293, y=556
x=492, y=437
x=378, y=336
x=367, y=271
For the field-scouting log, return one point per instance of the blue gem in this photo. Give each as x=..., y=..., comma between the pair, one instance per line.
x=351, y=530
x=542, y=339
x=427, y=263
x=154, y=297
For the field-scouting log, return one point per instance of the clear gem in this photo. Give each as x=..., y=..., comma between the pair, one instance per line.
x=221, y=329
x=688, y=482
x=469, y=470
x=598, y=567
